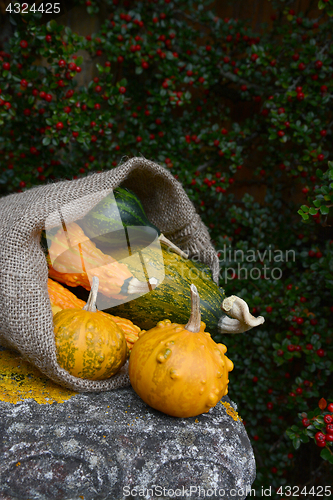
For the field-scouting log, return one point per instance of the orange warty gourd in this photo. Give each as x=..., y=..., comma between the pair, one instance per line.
x=61, y=298
x=89, y=343
x=179, y=370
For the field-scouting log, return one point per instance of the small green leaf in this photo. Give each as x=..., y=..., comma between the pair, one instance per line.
x=296, y=443
x=327, y=455
x=324, y=210
x=46, y=141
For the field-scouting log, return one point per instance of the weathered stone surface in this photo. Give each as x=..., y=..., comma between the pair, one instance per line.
x=99, y=446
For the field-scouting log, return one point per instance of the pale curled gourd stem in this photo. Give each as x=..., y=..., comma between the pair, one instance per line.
x=91, y=302
x=172, y=246
x=193, y=324
x=241, y=319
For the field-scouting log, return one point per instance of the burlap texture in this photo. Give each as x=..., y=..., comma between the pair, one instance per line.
x=25, y=311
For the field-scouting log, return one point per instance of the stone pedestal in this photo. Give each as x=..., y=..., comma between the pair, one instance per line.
x=113, y=446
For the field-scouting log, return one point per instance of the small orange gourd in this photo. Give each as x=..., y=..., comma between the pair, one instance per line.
x=61, y=298
x=72, y=263
x=89, y=343
x=179, y=370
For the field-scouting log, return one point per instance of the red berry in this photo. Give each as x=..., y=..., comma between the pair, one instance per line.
x=323, y=88
x=321, y=444
x=59, y=126
x=329, y=427
x=122, y=90
x=139, y=138
x=319, y=256
x=269, y=309
x=309, y=347
x=243, y=88
x=48, y=97
x=318, y=64
x=269, y=405
x=255, y=379
x=319, y=436
x=328, y=419
x=23, y=44
x=321, y=353
x=93, y=138
x=299, y=390
x=22, y=184
x=279, y=352
x=299, y=321
x=280, y=133
x=61, y=63
x=300, y=96
x=291, y=347
x=48, y=38
x=75, y=134
x=306, y=422
x=6, y=66
x=323, y=133
x=330, y=407
x=72, y=66
x=67, y=109
x=329, y=438
x=289, y=287
x=70, y=94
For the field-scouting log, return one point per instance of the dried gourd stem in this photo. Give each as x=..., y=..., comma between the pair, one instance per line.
x=91, y=302
x=193, y=324
x=172, y=246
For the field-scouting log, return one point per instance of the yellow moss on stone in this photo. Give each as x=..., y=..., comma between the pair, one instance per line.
x=20, y=380
x=230, y=411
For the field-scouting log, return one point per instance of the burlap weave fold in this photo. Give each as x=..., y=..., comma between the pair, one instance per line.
x=25, y=311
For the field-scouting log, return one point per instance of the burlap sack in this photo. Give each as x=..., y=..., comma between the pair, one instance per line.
x=25, y=311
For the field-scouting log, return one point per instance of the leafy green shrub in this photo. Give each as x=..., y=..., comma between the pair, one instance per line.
x=244, y=121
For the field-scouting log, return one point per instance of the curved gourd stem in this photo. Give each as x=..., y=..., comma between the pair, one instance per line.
x=193, y=324
x=172, y=246
x=241, y=319
x=91, y=302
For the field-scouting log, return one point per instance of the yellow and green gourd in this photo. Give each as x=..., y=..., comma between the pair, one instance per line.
x=89, y=344
x=180, y=370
